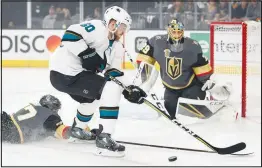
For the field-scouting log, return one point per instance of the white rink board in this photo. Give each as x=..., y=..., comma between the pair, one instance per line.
x=27, y=44
x=32, y=44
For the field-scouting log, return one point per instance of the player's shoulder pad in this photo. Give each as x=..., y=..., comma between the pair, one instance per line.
x=193, y=44
x=158, y=37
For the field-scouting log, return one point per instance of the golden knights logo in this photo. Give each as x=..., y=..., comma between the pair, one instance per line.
x=173, y=65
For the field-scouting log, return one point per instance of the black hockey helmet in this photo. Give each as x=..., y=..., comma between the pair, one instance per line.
x=50, y=102
x=175, y=30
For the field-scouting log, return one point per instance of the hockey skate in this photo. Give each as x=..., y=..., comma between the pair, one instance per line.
x=77, y=134
x=106, y=146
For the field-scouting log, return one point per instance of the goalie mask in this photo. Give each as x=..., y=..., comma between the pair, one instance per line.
x=175, y=31
x=50, y=102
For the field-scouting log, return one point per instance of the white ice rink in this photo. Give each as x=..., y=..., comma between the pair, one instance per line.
x=137, y=123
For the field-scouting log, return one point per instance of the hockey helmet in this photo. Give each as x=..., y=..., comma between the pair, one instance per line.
x=50, y=102
x=121, y=17
x=175, y=30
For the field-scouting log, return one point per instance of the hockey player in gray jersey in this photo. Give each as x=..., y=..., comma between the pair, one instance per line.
x=86, y=50
x=35, y=122
x=185, y=72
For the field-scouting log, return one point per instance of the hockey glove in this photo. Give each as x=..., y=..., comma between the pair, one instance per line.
x=208, y=85
x=136, y=95
x=113, y=72
x=90, y=58
x=218, y=91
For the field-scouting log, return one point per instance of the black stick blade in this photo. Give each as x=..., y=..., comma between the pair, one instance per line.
x=231, y=149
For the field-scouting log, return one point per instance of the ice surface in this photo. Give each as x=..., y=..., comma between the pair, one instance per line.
x=137, y=123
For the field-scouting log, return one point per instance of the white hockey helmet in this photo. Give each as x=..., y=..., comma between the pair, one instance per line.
x=118, y=14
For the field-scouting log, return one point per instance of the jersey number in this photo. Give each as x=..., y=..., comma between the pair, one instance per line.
x=31, y=112
x=146, y=49
x=88, y=27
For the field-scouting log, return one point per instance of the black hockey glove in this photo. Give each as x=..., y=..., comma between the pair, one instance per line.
x=113, y=72
x=90, y=59
x=136, y=95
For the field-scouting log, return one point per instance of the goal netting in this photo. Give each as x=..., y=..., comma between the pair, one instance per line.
x=235, y=55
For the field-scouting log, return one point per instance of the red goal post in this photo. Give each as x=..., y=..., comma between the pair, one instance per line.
x=235, y=49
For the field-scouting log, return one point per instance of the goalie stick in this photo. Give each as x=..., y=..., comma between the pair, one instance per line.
x=227, y=150
x=139, y=71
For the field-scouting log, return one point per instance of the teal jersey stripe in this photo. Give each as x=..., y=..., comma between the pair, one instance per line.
x=70, y=37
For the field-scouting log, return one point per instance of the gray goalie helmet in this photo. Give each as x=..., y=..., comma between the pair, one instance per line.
x=50, y=102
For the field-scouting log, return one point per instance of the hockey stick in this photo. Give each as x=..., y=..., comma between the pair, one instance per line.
x=166, y=147
x=176, y=148
x=228, y=150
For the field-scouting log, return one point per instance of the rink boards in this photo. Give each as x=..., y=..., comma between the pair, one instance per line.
x=32, y=48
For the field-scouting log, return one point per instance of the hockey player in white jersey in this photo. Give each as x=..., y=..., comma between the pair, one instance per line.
x=87, y=49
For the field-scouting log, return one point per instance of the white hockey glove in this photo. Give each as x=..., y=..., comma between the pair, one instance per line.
x=208, y=85
x=218, y=92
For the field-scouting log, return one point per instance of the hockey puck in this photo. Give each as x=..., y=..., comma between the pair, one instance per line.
x=172, y=158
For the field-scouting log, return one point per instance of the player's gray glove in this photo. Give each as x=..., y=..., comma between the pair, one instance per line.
x=136, y=94
x=113, y=72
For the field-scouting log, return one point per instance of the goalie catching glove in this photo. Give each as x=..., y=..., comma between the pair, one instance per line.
x=135, y=95
x=218, y=92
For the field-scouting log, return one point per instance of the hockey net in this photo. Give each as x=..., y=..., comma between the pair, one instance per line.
x=235, y=55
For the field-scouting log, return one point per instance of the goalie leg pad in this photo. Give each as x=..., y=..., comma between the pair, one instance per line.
x=199, y=108
x=192, y=110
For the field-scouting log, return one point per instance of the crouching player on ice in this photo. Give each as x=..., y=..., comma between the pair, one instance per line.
x=185, y=73
x=35, y=122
